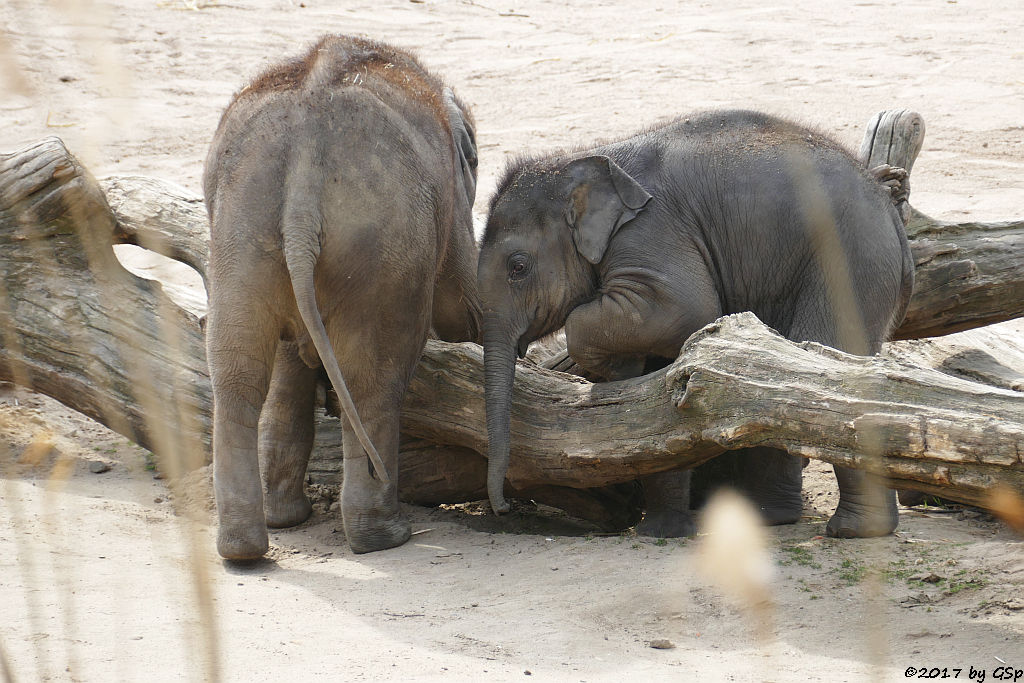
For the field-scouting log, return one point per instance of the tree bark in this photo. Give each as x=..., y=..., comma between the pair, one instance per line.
x=161, y=217
x=77, y=326
x=967, y=274
x=735, y=384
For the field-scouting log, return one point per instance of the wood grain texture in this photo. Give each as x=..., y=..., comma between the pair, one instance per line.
x=735, y=384
x=967, y=274
x=159, y=216
x=79, y=327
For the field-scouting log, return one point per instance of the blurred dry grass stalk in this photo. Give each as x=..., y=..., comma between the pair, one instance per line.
x=90, y=31
x=734, y=555
x=1008, y=505
x=852, y=337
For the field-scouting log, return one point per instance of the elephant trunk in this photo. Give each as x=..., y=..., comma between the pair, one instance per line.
x=499, y=374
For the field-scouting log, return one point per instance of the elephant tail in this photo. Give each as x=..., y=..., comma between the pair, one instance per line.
x=302, y=234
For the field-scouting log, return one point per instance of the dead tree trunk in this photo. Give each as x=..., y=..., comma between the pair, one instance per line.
x=967, y=274
x=78, y=327
x=735, y=384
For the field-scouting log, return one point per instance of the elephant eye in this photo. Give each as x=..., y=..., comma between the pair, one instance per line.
x=518, y=266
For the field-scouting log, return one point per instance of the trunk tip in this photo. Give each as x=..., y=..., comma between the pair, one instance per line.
x=500, y=505
x=496, y=494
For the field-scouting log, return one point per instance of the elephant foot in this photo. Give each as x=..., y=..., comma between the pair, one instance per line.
x=285, y=511
x=667, y=524
x=241, y=542
x=369, y=529
x=368, y=539
x=851, y=522
x=788, y=512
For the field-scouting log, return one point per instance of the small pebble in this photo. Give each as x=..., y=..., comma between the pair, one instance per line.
x=98, y=467
x=663, y=644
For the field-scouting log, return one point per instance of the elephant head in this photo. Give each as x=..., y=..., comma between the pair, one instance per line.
x=548, y=229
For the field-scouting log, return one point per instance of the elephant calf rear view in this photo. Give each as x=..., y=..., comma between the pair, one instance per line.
x=339, y=187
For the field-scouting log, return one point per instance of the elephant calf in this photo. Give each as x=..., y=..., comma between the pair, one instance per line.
x=635, y=245
x=339, y=187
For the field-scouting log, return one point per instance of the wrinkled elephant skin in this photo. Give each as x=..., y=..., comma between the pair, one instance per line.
x=339, y=187
x=635, y=245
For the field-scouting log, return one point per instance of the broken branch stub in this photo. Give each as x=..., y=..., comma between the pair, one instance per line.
x=967, y=274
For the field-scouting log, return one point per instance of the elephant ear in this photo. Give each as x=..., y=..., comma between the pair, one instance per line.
x=464, y=139
x=601, y=198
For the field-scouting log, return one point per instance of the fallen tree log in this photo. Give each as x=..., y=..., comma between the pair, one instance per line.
x=77, y=326
x=80, y=328
x=735, y=384
x=967, y=274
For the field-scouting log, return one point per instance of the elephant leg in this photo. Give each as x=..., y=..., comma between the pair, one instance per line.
x=667, y=501
x=377, y=374
x=867, y=507
x=666, y=495
x=286, y=438
x=369, y=507
x=598, y=340
x=772, y=479
x=240, y=357
x=721, y=471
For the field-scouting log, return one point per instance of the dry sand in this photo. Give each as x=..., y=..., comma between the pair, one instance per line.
x=99, y=580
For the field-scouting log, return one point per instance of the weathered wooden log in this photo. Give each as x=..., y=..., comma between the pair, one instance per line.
x=79, y=327
x=161, y=217
x=967, y=274
x=894, y=138
x=112, y=329
x=735, y=384
x=433, y=474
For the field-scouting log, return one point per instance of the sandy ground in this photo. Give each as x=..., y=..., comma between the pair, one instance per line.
x=101, y=581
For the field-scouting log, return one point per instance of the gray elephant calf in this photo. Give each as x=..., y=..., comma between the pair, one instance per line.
x=339, y=187
x=634, y=245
